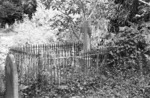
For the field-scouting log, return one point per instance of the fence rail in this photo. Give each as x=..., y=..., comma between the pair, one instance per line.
x=57, y=63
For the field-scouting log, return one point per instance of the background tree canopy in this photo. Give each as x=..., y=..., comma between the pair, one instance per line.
x=11, y=10
x=127, y=13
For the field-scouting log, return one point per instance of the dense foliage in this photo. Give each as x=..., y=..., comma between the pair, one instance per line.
x=130, y=24
x=125, y=74
x=128, y=12
x=13, y=10
x=73, y=14
x=130, y=54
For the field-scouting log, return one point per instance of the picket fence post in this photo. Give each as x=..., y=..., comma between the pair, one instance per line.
x=11, y=75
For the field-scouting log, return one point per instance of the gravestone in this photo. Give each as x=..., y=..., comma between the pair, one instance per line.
x=11, y=77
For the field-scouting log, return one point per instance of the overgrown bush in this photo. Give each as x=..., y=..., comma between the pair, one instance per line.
x=37, y=30
x=130, y=52
x=13, y=10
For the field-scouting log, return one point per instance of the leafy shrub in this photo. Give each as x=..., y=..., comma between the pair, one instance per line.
x=37, y=30
x=130, y=53
x=10, y=11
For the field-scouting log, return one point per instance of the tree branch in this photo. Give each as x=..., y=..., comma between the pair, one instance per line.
x=73, y=31
x=145, y=2
x=92, y=10
x=64, y=13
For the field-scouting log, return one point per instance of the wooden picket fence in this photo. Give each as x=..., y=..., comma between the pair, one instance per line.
x=52, y=64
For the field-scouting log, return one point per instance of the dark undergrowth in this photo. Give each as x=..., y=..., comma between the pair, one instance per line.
x=102, y=86
x=99, y=87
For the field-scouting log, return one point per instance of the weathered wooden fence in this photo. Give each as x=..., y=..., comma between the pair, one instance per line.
x=51, y=64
